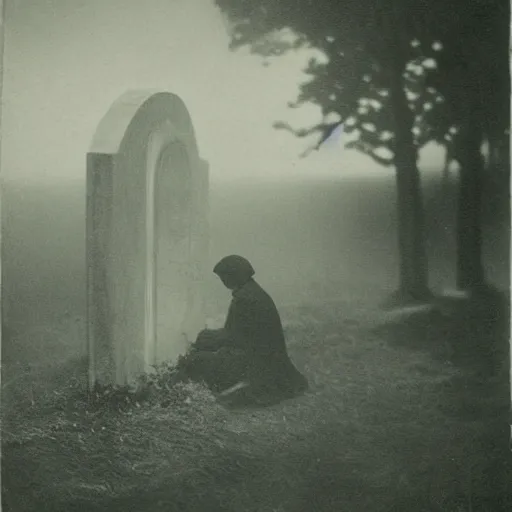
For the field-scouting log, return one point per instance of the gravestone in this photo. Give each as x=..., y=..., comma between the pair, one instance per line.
x=147, y=237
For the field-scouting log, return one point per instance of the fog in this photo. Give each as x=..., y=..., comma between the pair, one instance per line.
x=310, y=226
x=66, y=61
x=307, y=240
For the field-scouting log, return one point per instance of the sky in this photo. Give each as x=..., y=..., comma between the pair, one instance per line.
x=66, y=61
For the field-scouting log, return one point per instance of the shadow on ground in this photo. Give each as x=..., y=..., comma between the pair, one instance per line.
x=472, y=333
x=407, y=411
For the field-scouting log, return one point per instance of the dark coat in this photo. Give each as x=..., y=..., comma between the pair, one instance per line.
x=253, y=322
x=253, y=325
x=250, y=347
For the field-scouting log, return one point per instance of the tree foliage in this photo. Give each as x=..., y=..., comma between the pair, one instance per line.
x=351, y=86
x=473, y=73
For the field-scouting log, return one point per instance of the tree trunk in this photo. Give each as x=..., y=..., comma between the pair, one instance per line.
x=505, y=155
x=470, y=270
x=413, y=284
x=493, y=158
x=446, y=169
x=411, y=224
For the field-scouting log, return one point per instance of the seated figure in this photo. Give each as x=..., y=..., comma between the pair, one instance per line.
x=249, y=352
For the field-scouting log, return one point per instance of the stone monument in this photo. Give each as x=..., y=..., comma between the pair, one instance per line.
x=147, y=236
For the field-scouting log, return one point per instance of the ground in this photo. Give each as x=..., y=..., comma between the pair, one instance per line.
x=398, y=418
x=408, y=411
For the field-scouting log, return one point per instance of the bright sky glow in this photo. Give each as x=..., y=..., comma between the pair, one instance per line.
x=66, y=61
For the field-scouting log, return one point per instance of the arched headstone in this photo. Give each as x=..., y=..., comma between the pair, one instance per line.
x=147, y=236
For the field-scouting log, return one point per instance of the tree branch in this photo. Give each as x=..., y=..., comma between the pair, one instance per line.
x=368, y=151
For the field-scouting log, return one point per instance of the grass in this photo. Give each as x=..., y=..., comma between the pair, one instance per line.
x=404, y=413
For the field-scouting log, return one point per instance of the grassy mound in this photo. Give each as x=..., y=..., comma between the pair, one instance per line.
x=394, y=420
x=72, y=447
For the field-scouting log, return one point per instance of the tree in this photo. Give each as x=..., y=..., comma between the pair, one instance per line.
x=377, y=53
x=368, y=46
x=473, y=78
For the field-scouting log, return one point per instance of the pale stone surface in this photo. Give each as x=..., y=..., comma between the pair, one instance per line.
x=147, y=236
